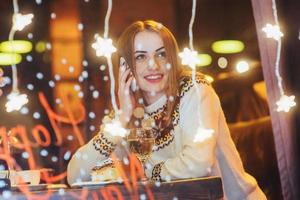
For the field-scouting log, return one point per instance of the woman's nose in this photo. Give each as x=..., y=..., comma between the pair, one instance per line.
x=152, y=64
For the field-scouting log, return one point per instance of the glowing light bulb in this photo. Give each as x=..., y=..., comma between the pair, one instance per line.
x=222, y=62
x=15, y=101
x=242, y=66
x=189, y=57
x=203, y=134
x=103, y=47
x=20, y=21
x=285, y=103
x=273, y=31
x=115, y=128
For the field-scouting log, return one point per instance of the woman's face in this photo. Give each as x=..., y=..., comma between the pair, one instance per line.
x=151, y=64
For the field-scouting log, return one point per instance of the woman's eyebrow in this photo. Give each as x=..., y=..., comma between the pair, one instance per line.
x=159, y=49
x=140, y=52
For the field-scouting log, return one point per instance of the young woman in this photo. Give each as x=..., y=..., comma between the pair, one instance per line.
x=193, y=138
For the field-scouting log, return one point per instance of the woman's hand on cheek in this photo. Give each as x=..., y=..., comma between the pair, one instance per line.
x=125, y=96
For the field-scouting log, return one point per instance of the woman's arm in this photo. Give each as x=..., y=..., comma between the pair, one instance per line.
x=238, y=184
x=88, y=156
x=100, y=147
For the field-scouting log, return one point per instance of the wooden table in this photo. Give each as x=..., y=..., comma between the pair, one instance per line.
x=199, y=188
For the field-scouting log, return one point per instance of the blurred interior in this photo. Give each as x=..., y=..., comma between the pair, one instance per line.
x=72, y=75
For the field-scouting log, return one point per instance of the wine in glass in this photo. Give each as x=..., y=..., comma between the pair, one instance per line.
x=141, y=142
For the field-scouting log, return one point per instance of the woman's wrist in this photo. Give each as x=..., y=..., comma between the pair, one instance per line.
x=124, y=120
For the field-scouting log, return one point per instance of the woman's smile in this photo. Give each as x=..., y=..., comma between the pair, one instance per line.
x=154, y=78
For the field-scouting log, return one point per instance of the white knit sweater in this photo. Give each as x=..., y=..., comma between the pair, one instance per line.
x=197, y=144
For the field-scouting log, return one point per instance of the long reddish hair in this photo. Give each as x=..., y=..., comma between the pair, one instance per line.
x=125, y=48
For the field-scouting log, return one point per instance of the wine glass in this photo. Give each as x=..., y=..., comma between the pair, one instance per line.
x=141, y=142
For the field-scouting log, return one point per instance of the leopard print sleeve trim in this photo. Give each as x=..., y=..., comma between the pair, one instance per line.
x=103, y=145
x=156, y=172
x=186, y=83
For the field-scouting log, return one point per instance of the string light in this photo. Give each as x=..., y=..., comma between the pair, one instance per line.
x=15, y=101
x=189, y=56
x=115, y=128
x=21, y=21
x=273, y=31
x=285, y=103
x=104, y=47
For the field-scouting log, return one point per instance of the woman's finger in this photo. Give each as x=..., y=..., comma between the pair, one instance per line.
x=128, y=83
x=125, y=89
x=121, y=72
x=122, y=67
x=124, y=77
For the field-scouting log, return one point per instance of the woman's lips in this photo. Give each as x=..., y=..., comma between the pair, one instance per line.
x=153, y=78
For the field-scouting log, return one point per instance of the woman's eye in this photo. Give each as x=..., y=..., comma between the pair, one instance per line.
x=140, y=57
x=162, y=54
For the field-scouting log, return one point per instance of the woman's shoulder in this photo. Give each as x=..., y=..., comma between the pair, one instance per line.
x=186, y=82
